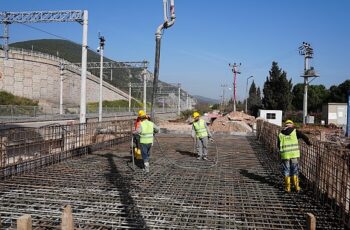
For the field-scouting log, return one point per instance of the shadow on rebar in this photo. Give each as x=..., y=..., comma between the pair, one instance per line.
x=256, y=177
x=186, y=153
x=123, y=185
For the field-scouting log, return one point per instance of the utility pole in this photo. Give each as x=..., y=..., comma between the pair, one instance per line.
x=129, y=96
x=246, y=94
x=83, y=69
x=223, y=96
x=144, y=90
x=61, y=88
x=179, y=100
x=235, y=72
x=165, y=25
x=100, y=49
x=6, y=39
x=309, y=72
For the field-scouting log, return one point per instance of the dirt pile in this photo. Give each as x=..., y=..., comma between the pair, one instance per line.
x=234, y=122
x=176, y=126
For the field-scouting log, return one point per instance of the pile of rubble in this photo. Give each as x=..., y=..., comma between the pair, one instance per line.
x=234, y=122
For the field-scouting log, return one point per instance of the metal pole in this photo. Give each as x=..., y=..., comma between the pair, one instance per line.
x=102, y=40
x=187, y=101
x=305, y=89
x=111, y=74
x=83, y=70
x=129, y=96
x=144, y=91
x=179, y=101
x=246, y=93
x=348, y=116
x=61, y=89
x=6, y=40
x=234, y=91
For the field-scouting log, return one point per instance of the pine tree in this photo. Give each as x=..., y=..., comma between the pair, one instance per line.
x=277, y=90
x=254, y=100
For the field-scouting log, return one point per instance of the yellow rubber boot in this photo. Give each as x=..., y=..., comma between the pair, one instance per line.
x=287, y=183
x=296, y=183
x=138, y=154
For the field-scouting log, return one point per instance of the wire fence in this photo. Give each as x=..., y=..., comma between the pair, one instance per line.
x=24, y=149
x=324, y=168
x=15, y=113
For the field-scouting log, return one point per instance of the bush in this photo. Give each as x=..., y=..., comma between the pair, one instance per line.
x=7, y=98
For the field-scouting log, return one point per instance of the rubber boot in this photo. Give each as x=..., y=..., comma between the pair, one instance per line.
x=138, y=154
x=146, y=167
x=287, y=183
x=296, y=183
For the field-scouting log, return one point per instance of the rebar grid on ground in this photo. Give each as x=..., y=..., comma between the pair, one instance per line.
x=240, y=192
x=324, y=169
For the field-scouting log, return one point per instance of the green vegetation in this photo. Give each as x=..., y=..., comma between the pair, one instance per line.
x=70, y=51
x=93, y=106
x=7, y=98
x=277, y=90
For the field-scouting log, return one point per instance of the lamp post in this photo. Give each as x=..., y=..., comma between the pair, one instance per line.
x=307, y=51
x=246, y=93
x=100, y=49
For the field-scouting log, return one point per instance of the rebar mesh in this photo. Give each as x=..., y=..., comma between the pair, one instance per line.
x=240, y=192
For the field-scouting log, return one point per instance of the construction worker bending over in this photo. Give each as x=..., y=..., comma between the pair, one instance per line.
x=146, y=131
x=290, y=153
x=202, y=134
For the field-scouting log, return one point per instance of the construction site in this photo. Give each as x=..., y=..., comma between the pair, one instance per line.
x=81, y=148
x=85, y=173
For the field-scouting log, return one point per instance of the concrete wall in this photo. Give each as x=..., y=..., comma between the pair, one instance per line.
x=37, y=76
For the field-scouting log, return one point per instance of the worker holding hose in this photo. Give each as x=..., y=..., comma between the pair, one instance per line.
x=146, y=131
x=201, y=134
x=290, y=153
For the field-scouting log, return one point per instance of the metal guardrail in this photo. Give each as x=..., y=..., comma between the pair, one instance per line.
x=12, y=113
x=324, y=167
x=23, y=149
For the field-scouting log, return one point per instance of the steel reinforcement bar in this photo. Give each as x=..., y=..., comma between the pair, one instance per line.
x=232, y=190
x=24, y=149
x=325, y=169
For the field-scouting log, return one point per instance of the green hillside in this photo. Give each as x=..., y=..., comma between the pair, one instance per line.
x=71, y=52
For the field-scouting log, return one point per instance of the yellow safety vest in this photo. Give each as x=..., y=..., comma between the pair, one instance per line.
x=200, y=129
x=146, y=136
x=289, y=146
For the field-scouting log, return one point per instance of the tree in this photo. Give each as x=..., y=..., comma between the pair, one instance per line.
x=254, y=100
x=277, y=89
x=339, y=93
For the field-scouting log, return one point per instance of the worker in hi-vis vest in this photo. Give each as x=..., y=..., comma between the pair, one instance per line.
x=202, y=134
x=288, y=145
x=146, y=131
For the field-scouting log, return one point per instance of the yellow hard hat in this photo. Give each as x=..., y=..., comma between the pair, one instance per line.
x=142, y=113
x=289, y=122
x=195, y=114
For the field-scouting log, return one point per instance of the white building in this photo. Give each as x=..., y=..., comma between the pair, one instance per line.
x=335, y=113
x=272, y=116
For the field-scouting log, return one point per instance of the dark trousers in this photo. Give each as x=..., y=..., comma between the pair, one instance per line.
x=145, y=151
x=137, y=140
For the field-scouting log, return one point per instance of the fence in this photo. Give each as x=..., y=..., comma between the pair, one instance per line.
x=324, y=167
x=16, y=113
x=24, y=149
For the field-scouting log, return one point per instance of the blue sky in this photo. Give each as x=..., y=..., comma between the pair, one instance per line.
x=209, y=34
